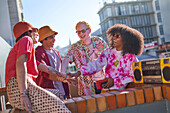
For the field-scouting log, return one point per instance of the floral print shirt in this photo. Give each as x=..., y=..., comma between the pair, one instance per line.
x=118, y=67
x=79, y=53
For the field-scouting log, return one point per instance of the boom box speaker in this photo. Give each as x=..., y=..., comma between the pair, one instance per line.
x=152, y=71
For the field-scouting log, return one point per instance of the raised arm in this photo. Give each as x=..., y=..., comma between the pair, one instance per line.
x=96, y=65
x=92, y=67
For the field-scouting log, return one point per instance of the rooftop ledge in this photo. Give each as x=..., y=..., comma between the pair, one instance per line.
x=142, y=98
x=137, y=98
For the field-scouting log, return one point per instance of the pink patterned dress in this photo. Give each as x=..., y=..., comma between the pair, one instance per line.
x=117, y=67
x=80, y=54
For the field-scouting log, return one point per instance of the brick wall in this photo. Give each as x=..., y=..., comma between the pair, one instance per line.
x=119, y=99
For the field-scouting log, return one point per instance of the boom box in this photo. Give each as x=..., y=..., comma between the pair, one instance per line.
x=152, y=71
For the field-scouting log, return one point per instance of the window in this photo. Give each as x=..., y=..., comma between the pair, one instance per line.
x=122, y=21
x=161, y=30
x=110, y=22
x=141, y=30
x=136, y=20
x=144, y=8
x=147, y=19
x=148, y=31
x=133, y=21
x=102, y=27
x=116, y=11
x=134, y=9
x=106, y=26
x=101, y=16
x=157, y=5
x=130, y=11
x=120, y=10
x=105, y=14
x=109, y=11
x=118, y=21
x=159, y=17
x=123, y=10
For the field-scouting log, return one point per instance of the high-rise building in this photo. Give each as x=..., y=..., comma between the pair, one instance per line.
x=150, y=17
x=10, y=14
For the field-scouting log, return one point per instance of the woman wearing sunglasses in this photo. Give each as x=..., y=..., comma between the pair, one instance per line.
x=85, y=50
x=124, y=44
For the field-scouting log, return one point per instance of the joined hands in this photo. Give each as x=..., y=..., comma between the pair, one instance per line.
x=76, y=74
x=70, y=80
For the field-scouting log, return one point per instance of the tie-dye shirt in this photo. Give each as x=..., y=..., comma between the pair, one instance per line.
x=117, y=67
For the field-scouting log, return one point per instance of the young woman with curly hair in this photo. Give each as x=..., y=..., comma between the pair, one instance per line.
x=124, y=44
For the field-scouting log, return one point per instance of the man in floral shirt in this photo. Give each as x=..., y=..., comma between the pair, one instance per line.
x=82, y=52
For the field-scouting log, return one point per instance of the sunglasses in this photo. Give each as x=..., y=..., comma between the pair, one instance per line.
x=116, y=35
x=82, y=31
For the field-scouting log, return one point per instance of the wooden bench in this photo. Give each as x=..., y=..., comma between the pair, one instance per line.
x=5, y=106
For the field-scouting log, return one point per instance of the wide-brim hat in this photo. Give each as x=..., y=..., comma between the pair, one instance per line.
x=22, y=27
x=45, y=32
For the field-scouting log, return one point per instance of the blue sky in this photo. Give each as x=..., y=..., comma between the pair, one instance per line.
x=62, y=16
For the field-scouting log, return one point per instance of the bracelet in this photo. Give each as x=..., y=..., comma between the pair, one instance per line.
x=23, y=96
x=24, y=93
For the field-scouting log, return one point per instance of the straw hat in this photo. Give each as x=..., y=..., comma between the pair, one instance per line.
x=45, y=32
x=22, y=27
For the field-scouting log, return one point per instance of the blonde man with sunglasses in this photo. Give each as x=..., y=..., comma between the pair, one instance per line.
x=85, y=50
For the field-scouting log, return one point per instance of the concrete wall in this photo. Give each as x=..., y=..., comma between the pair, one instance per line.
x=4, y=50
x=164, y=8
x=5, y=25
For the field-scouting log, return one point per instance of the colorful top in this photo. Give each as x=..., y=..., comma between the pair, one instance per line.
x=118, y=67
x=23, y=46
x=80, y=54
x=43, y=78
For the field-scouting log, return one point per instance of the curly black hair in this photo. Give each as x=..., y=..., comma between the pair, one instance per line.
x=132, y=39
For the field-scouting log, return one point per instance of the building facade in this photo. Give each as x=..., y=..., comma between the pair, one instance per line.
x=150, y=17
x=10, y=14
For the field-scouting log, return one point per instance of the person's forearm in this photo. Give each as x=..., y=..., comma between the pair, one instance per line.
x=53, y=74
x=21, y=73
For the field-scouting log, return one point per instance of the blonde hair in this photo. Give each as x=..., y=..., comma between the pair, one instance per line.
x=83, y=22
